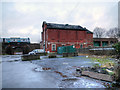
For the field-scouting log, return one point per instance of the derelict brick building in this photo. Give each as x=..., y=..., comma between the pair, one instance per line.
x=55, y=35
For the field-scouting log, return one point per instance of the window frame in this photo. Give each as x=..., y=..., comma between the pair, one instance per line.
x=53, y=47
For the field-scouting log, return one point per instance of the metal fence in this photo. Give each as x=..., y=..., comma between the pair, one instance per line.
x=97, y=51
x=83, y=50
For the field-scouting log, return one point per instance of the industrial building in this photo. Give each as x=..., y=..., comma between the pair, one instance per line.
x=56, y=35
x=104, y=42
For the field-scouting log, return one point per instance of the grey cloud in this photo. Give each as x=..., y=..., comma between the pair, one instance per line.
x=20, y=19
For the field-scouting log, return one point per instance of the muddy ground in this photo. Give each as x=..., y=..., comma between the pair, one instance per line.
x=46, y=73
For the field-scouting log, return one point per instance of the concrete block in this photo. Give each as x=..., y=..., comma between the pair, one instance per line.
x=97, y=76
x=42, y=54
x=52, y=55
x=30, y=57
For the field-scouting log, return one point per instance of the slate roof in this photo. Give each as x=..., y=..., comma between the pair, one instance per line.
x=65, y=26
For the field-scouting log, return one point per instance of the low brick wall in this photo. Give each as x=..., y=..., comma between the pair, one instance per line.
x=30, y=57
x=42, y=54
x=52, y=55
x=70, y=54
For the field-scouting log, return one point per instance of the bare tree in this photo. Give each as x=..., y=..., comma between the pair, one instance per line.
x=99, y=32
x=118, y=33
x=113, y=33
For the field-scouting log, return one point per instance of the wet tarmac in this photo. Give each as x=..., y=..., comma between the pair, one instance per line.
x=46, y=73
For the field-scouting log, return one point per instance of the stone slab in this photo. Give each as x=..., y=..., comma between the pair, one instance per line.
x=97, y=76
x=30, y=57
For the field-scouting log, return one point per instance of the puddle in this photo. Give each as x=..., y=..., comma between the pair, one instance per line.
x=13, y=60
x=87, y=83
x=43, y=57
x=59, y=70
x=96, y=62
x=65, y=63
x=40, y=69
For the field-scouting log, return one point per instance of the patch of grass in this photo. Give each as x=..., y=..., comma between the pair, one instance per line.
x=104, y=69
x=96, y=65
x=104, y=61
x=111, y=73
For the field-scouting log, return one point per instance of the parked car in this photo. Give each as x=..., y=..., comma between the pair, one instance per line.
x=36, y=51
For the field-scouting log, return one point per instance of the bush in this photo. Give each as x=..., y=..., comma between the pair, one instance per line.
x=96, y=65
x=117, y=72
x=117, y=48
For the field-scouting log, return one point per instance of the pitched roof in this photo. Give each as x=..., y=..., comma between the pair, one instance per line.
x=65, y=26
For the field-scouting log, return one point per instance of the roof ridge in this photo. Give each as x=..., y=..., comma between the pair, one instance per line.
x=65, y=26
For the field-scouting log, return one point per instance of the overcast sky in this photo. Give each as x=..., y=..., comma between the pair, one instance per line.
x=24, y=19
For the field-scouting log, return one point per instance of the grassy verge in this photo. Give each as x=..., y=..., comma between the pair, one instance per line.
x=103, y=60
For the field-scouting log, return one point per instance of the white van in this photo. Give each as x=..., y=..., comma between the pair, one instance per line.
x=36, y=51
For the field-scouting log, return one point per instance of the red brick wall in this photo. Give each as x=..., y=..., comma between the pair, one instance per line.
x=71, y=36
x=52, y=35
x=60, y=37
x=67, y=35
x=81, y=36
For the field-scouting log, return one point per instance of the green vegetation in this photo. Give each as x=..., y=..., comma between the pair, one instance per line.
x=104, y=61
x=117, y=47
x=117, y=72
x=111, y=73
x=96, y=65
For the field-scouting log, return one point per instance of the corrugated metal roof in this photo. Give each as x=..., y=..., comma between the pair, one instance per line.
x=65, y=26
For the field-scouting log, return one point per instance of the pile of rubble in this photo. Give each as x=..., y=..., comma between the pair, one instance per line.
x=101, y=73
